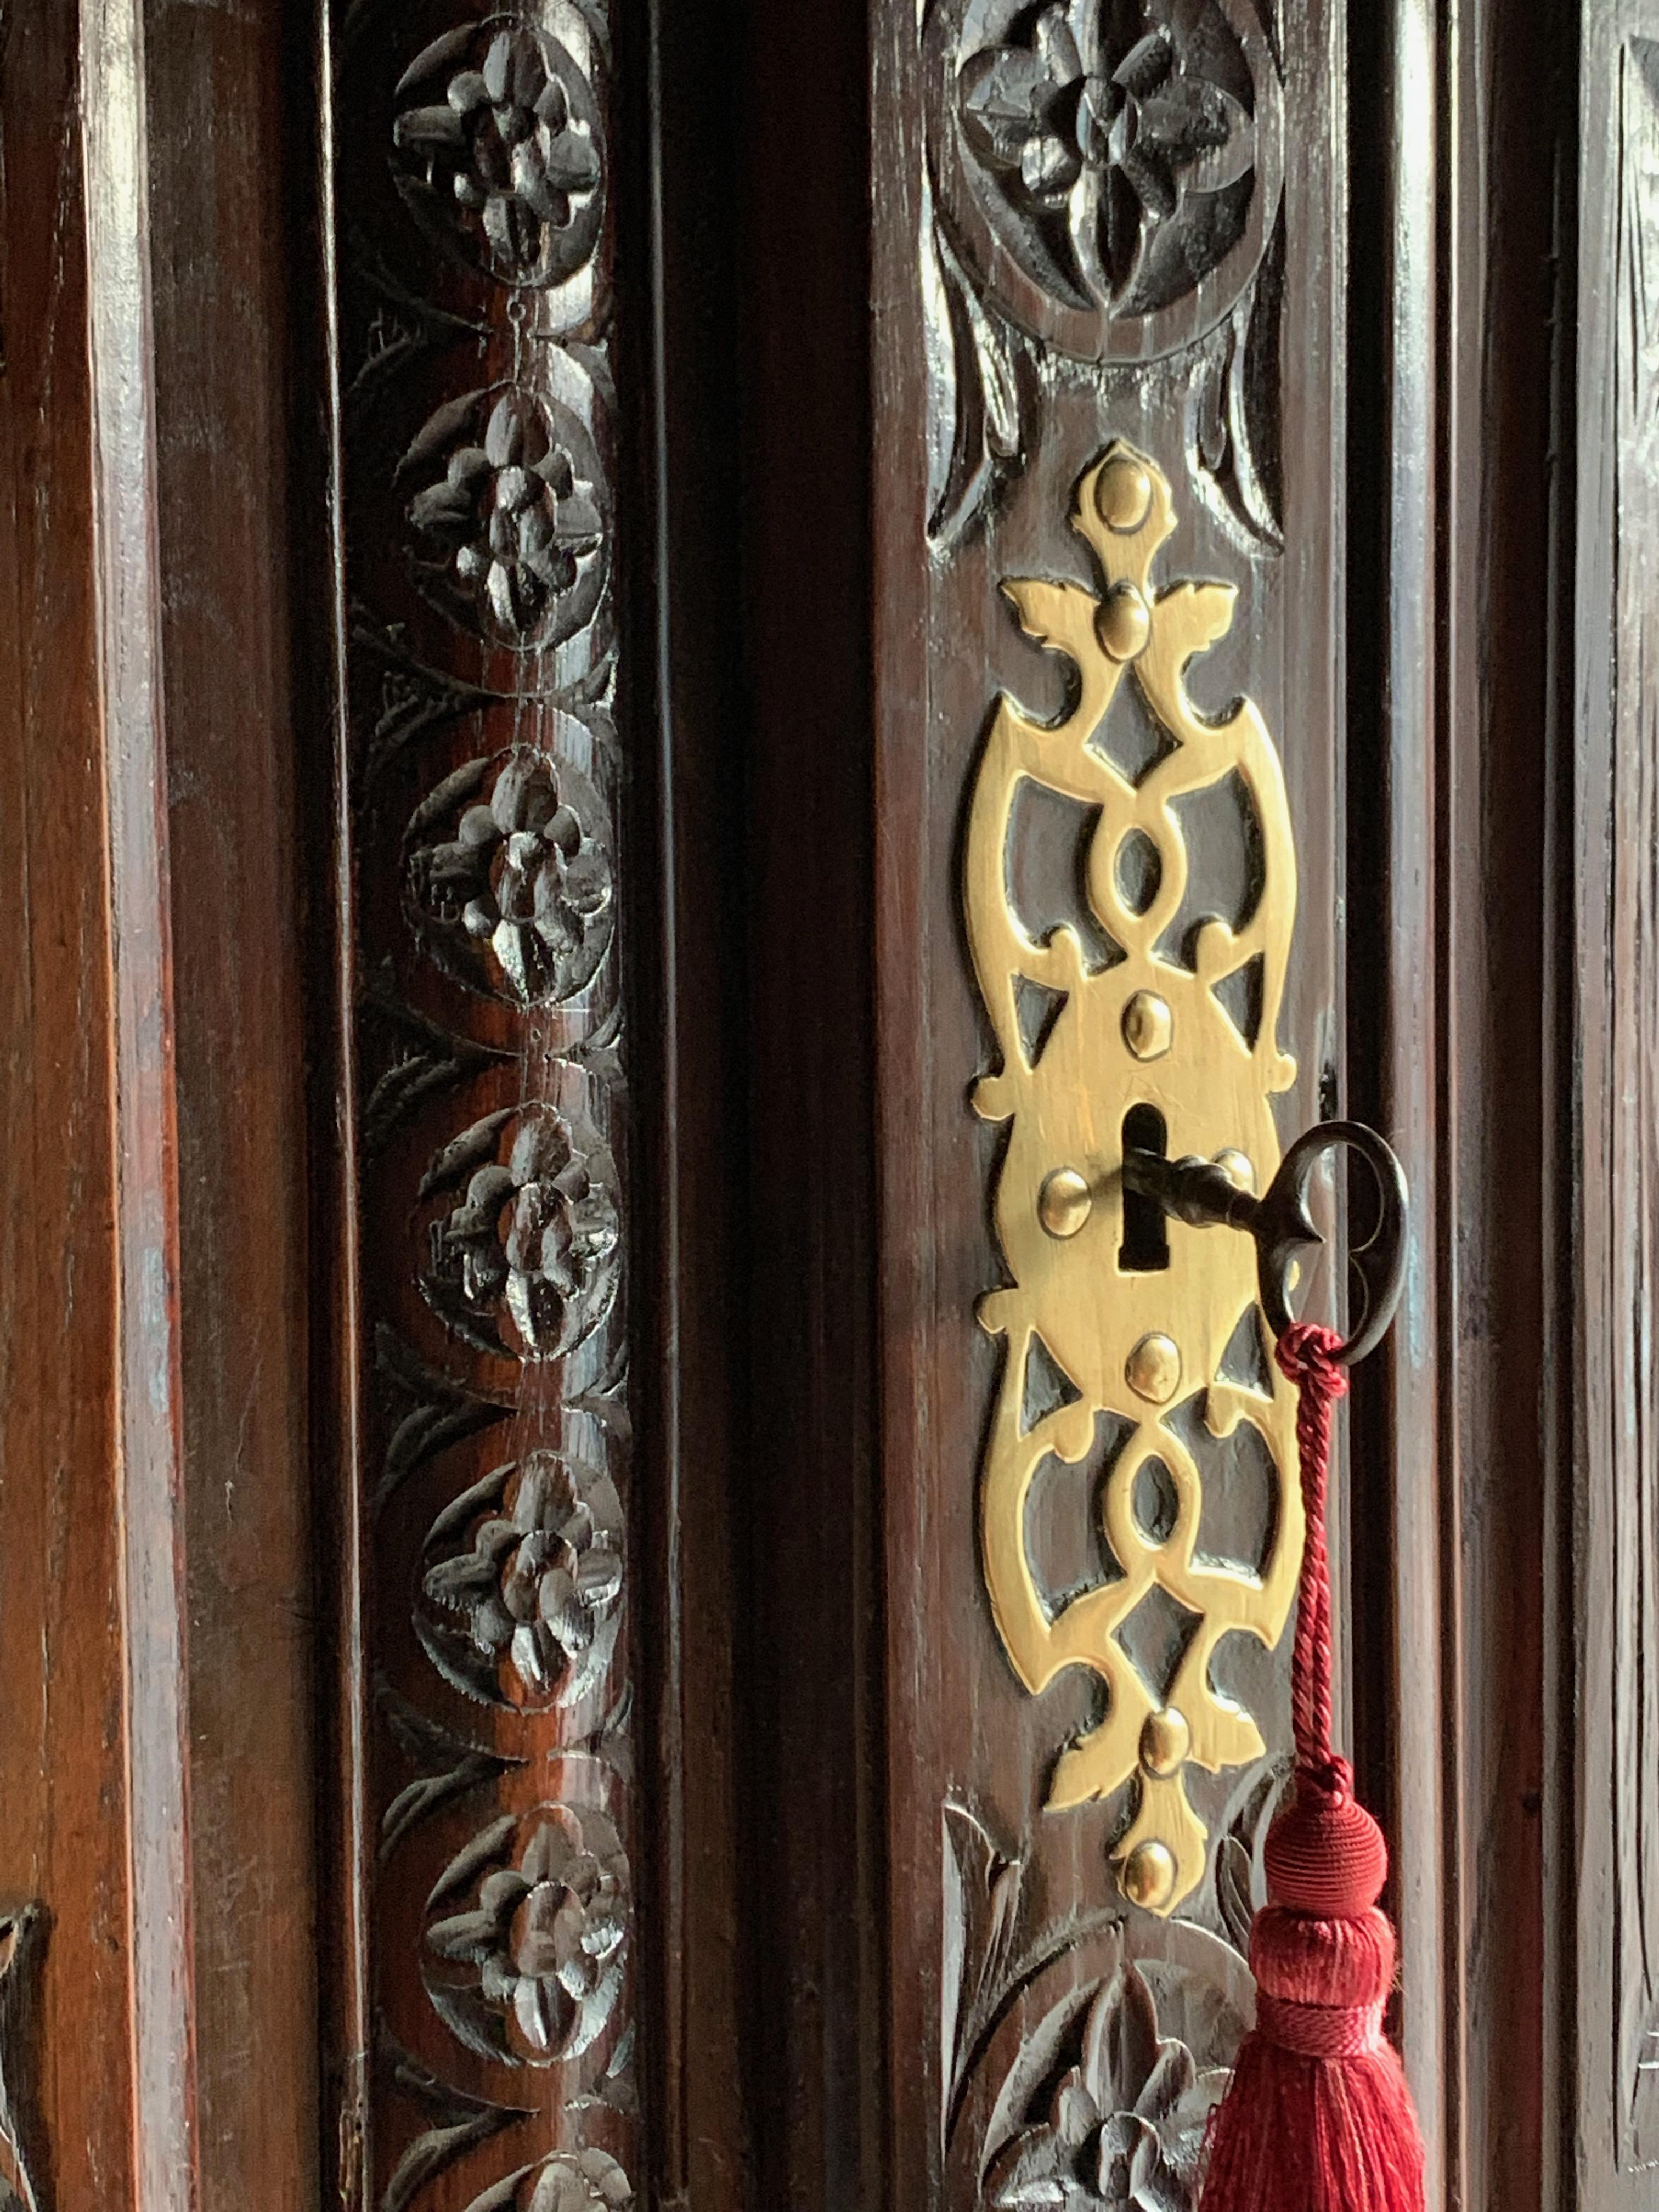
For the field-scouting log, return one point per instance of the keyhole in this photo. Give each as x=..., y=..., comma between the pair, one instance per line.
x=1145, y=1246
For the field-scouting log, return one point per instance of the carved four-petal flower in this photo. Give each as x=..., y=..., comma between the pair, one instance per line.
x=513, y=517
x=534, y=1242
x=1094, y=135
x=516, y=153
x=544, y=1934
x=543, y=1576
x=522, y=878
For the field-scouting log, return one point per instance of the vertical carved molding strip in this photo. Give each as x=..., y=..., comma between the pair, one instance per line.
x=472, y=209
x=1610, y=1875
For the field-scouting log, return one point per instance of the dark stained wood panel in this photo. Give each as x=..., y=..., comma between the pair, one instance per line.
x=1507, y=486
x=999, y=379
x=502, y=1707
x=226, y=173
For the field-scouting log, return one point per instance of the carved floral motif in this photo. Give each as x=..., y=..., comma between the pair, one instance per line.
x=510, y=878
x=542, y=1939
x=1100, y=163
x=540, y=1584
x=1126, y=2125
x=516, y=520
x=1126, y=166
x=1103, y=181
x=500, y=139
x=587, y=2181
x=1080, y=2063
x=527, y=1260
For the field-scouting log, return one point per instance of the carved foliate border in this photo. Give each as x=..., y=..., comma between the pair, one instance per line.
x=473, y=198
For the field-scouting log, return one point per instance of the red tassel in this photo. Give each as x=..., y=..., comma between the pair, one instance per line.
x=1318, y=2116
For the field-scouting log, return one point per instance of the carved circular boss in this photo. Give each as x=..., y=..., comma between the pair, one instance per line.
x=1110, y=175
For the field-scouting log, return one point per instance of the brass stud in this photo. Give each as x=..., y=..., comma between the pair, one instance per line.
x=1124, y=622
x=1153, y=1370
x=1236, y=1168
x=1147, y=1876
x=1065, y=1202
x=1165, y=1740
x=1148, y=1026
x=1123, y=492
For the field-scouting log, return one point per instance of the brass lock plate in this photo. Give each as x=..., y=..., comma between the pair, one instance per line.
x=1148, y=1049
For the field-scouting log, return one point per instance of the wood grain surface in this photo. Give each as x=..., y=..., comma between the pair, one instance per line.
x=501, y=1712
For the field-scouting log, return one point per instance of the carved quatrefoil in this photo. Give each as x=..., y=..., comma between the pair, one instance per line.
x=1110, y=171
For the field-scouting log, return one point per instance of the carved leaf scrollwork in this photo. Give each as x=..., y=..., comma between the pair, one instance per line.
x=1233, y=436
x=978, y=369
x=454, y=2122
x=1081, y=2065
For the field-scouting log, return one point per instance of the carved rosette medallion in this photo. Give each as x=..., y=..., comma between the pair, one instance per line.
x=1129, y=1339
x=1109, y=172
x=499, y=146
x=1102, y=185
x=526, y=1935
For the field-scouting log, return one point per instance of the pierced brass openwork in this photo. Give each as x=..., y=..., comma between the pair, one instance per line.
x=1150, y=1042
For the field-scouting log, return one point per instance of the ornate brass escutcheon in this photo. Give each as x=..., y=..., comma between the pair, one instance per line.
x=1146, y=1046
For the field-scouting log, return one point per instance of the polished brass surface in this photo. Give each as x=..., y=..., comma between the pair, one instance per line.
x=1066, y=1202
x=1164, y=1742
x=1153, y=1369
x=1148, y=1026
x=1123, y=492
x=1147, y=1876
x=1125, y=623
x=1064, y=1100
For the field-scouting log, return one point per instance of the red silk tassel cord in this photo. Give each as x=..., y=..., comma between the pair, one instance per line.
x=1318, y=2118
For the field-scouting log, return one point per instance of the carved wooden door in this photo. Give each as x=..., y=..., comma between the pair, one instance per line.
x=668, y=672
